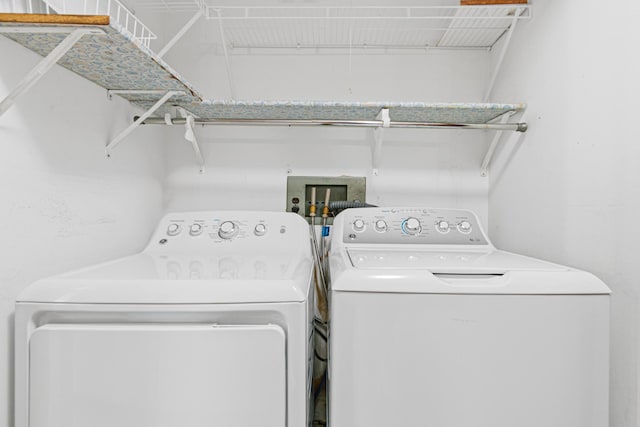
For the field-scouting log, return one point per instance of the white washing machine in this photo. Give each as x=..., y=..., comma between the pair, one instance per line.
x=432, y=326
x=209, y=326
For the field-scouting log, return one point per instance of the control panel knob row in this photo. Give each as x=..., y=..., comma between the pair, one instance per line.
x=411, y=226
x=228, y=229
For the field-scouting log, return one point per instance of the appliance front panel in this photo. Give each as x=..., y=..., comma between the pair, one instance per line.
x=469, y=360
x=144, y=375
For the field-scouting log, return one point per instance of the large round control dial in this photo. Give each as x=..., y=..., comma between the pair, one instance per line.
x=358, y=225
x=228, y=230
x=380, y=226
x=443, y=226
x=411, y=226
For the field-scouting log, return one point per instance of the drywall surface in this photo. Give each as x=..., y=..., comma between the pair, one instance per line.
x=357, y=74
x=64, y=204
x=247, y=168
x=567, y=190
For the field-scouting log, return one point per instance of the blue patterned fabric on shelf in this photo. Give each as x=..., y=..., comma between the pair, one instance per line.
x=116, y=61
x=329, y=110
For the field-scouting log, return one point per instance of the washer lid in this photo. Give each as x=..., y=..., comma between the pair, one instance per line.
x=465, y=261
x=181, y=279
x=459, y=272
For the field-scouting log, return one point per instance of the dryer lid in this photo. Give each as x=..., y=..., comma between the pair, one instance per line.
x=181, y=279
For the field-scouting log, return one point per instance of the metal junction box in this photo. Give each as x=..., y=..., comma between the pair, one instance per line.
x=347, y=188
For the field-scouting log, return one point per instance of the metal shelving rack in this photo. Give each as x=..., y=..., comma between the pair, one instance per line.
x=43, y=26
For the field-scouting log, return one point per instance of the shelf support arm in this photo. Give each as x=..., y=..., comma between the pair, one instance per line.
x=503, y=52
x=118, y=139
x=45, y=65
x=181, y=33
x=227, y=60
x=484, y=168
x=378, y=136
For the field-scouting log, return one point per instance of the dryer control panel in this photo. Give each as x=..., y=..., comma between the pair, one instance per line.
x=411, y=226
x=280, y=231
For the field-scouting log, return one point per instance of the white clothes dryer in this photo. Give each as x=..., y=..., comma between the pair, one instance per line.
x=209, y=326
x=432, y=326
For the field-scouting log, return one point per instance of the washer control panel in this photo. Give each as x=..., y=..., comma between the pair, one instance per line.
x=411, y=225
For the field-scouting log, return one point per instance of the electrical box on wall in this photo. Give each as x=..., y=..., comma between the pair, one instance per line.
x=343, y=188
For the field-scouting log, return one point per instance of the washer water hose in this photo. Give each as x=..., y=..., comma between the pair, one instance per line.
x=320, y=322
x=321, y=281
x=323, y=236
x=340, y=205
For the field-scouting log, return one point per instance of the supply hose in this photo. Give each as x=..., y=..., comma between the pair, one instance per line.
x=340, y=205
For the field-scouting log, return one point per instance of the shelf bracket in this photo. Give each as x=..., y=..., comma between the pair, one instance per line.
x=484, y=168
x=182, y=32
x=190, y=136
x=503, y=52
x=227, y=60
x=45, y=65
x=118, y=139
x=111, y=92
x=378, y=137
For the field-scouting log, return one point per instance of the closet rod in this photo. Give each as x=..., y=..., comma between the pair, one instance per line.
x=518, y=127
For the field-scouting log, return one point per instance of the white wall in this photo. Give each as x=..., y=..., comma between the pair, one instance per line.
x=250, y=171
x=63, y=204
x=248, y=167
x=568, y=190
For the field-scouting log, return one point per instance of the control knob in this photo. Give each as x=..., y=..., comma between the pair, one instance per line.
x=464, y=227
x=173, y=229
x=260, y=229
x=358, y=225
x=196, y=229
x=442, y=226
x=381, y=225
x=228, y=229
x=411, y=226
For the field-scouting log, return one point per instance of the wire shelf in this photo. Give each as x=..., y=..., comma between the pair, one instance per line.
x=401, y=27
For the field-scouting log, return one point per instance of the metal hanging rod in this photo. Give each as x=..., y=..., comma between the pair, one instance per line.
x=359, y=47
x=518, y=127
